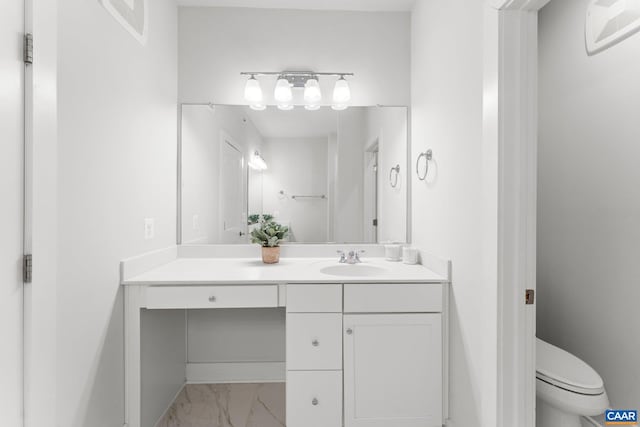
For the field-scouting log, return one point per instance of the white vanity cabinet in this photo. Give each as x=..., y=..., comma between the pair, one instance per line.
x=364, y=355
x=393, y=355
x=314, y=355
x=352, y=353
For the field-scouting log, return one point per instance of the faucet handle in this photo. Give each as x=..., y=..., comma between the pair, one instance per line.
x=343, y=257
x=358, y=253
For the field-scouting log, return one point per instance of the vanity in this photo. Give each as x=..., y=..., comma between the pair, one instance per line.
x=361, y=344
x=365, y=345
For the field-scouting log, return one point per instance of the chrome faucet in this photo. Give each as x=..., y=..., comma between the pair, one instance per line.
x=352, y=257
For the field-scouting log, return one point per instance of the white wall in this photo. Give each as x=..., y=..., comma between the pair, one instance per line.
x=117, y=166
x=201, y=139
x=216, y=44
x=389, y=127
x=447, y=80
x=297, y=166
x=349, y=188
x=588, y=204
x=200, y=157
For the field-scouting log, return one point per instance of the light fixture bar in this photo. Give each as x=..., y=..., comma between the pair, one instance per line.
x=294, y=73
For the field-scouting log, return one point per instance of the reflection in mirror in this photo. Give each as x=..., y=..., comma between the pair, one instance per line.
x=330, y=176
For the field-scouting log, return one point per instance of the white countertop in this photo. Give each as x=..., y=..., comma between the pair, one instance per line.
x=189, y=271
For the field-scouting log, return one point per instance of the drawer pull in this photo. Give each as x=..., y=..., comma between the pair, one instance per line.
x=212, y=299
x=315, y=343
x=349, y=331
x=315, y=402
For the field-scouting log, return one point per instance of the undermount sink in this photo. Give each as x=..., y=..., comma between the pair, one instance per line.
x=353, y=270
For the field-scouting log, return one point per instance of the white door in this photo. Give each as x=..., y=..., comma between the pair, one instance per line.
x=233, y=215
x=392, y=370
x=11, y=211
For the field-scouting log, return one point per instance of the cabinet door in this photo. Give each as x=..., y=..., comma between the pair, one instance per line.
x=392, y=370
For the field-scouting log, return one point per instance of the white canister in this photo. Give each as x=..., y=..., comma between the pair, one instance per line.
x=393, y=252
x=409, y=255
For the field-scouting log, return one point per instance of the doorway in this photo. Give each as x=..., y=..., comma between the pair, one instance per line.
x=233, y=215
x=510, y=136
x=371, y=192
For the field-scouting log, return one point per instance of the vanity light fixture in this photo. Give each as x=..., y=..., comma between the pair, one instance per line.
x=290, y=80
x=257, y=162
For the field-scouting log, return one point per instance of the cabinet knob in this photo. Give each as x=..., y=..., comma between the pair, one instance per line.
x=315, y=402
x=212, y=299
x=315, y=343
x=349, y=331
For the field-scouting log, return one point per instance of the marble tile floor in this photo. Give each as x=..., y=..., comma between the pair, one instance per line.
x=227, y=405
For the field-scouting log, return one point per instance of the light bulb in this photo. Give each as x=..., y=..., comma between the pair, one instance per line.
x=341, y=92
x=258, y=107
x=312, y=93
x=312, y=107
x=283, y=93
x=339, y=107
x=253, y=91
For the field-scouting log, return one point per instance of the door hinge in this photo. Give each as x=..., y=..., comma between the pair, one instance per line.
x=27, y=268
x=530, y=296
x=28, y=48
x=375, y=222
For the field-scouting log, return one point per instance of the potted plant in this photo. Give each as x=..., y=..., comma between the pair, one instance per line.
x=269, y=235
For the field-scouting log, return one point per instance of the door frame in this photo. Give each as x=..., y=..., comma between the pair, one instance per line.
x=226, y=138
x=41, y=218
x=510, y=136
x=371, y=150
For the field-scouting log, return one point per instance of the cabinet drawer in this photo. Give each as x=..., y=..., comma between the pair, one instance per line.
x=314, y=341
x=314, y=298
x=314, y=399
x=393, y=298
x=212, y=296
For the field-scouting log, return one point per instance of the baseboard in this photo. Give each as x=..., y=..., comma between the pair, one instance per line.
x=249, y=372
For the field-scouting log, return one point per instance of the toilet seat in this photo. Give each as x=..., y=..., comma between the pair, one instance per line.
x=564, y=370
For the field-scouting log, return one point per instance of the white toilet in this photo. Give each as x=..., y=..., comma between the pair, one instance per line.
x=566, y=388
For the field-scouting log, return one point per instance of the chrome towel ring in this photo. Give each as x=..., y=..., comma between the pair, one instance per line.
x=393, y=178
x=428, y=155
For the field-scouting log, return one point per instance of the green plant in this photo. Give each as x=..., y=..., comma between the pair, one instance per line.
x=269, y=234
x=255, y=218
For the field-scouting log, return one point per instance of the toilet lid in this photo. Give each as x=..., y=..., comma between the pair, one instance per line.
x=564, y=370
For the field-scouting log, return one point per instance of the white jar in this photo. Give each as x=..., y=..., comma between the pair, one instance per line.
x=409, y=255
x=393, y=252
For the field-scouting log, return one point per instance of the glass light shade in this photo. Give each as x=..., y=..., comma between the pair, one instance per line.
x=284, y=106
x=258, y=107
x=339, y=107
x=253, y=91
x=312, y=93
x=257, y=162
x=283, y=93
x=341, y=92
x=312, y=107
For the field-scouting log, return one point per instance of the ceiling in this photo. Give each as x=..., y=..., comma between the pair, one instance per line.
x=351, y=5
x=297, y=123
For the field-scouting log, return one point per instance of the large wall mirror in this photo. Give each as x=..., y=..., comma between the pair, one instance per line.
x=331, y=176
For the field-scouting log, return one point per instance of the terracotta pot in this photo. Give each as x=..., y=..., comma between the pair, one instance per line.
x=271, y=255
